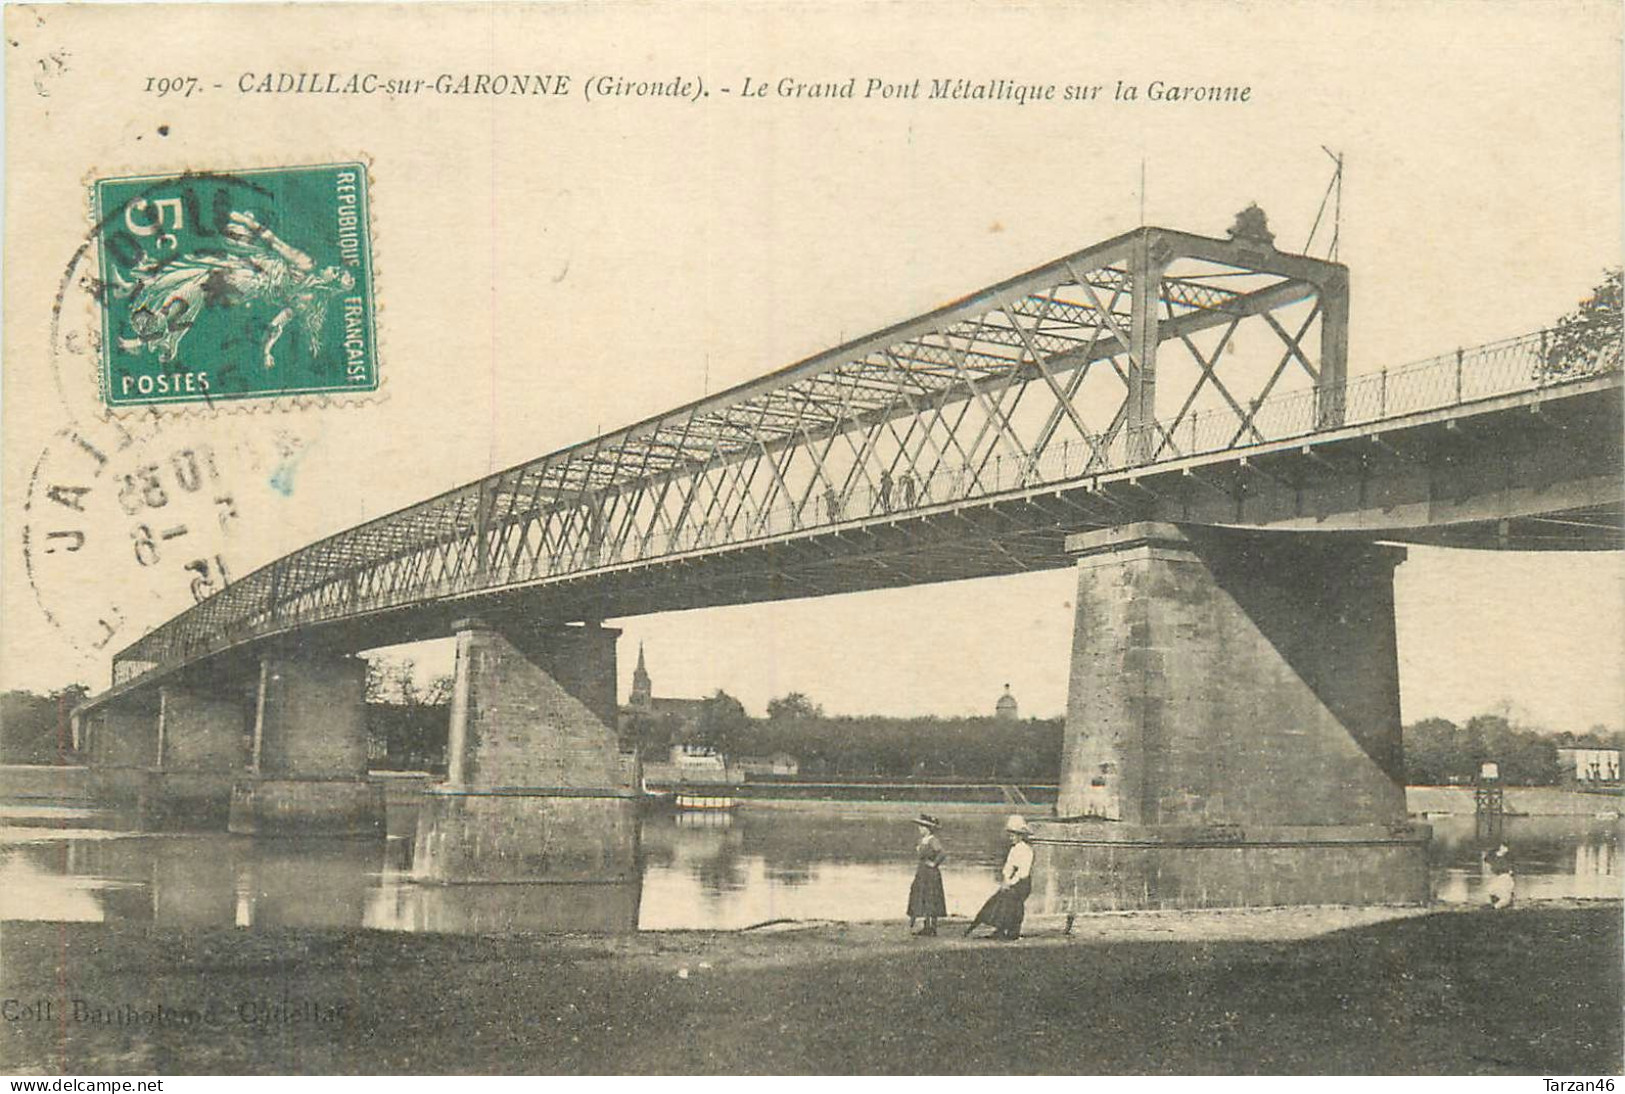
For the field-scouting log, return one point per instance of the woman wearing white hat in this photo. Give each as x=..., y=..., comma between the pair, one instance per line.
x=1005, y=909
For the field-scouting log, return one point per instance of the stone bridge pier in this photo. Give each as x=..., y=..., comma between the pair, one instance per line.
x=120, y=741
x=308, y=767
x=1233, y=726
x=173, y=754
x=536, y=790
x=203, y=749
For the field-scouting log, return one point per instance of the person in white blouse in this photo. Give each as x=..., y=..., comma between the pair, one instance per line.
x=1006, y=909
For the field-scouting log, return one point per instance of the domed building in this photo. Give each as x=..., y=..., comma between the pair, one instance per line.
x=1006, y=710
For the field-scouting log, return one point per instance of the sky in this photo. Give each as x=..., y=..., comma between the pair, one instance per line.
x=1516, y=633
x=553, y=271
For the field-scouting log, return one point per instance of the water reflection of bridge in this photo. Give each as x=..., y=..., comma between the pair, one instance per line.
x=318, y=884
x=1173, y=415
x=827, y=863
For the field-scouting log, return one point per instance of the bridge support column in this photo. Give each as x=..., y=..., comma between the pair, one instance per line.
x=1233, y=727
x=535, y=790
x=121, y=742
x=201, y=754
x=309, y=761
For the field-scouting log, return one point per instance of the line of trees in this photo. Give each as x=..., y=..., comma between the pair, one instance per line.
x=865, y=745
x=407, y=721
x=34, y=729
x=1439, y=752
x=407, y=726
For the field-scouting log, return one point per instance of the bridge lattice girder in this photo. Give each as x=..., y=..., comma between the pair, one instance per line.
x=1051, y=376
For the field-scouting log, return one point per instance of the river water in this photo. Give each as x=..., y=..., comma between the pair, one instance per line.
x=767, y=862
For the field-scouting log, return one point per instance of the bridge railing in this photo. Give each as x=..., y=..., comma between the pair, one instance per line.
x=1438, y=383
x=320, y=583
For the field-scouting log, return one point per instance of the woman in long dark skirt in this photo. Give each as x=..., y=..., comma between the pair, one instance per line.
x=1006, y=909
x=925, y=897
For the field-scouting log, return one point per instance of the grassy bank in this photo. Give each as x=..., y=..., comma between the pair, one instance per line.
x=1531, y=990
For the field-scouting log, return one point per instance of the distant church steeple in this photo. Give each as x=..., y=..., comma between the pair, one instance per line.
x=642, y=688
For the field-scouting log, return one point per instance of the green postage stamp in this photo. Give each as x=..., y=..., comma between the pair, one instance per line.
x=241, y=285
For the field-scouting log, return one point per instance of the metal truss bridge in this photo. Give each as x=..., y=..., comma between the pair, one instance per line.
x=1157, y=375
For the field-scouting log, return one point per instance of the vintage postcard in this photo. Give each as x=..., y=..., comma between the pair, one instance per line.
x=836, y=537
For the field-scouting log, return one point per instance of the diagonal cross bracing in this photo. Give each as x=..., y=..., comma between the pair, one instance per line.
x=1025, y=382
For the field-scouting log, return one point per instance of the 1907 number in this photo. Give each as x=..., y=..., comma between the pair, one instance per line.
x=183, y=86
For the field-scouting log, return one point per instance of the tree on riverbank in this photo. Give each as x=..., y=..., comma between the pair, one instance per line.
x=723, y=724
x=794, y=707
x=1439, y=752
x=408, y=722
x=34, y=729
x=1594, y=328
x=922, y=747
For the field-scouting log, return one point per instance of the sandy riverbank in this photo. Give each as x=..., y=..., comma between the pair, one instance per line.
x=1531, y=990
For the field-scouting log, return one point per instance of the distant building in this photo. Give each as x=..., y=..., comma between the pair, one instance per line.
x=695, y=758
x=1588, y=766
x=686, y=764
x=1006, y=710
